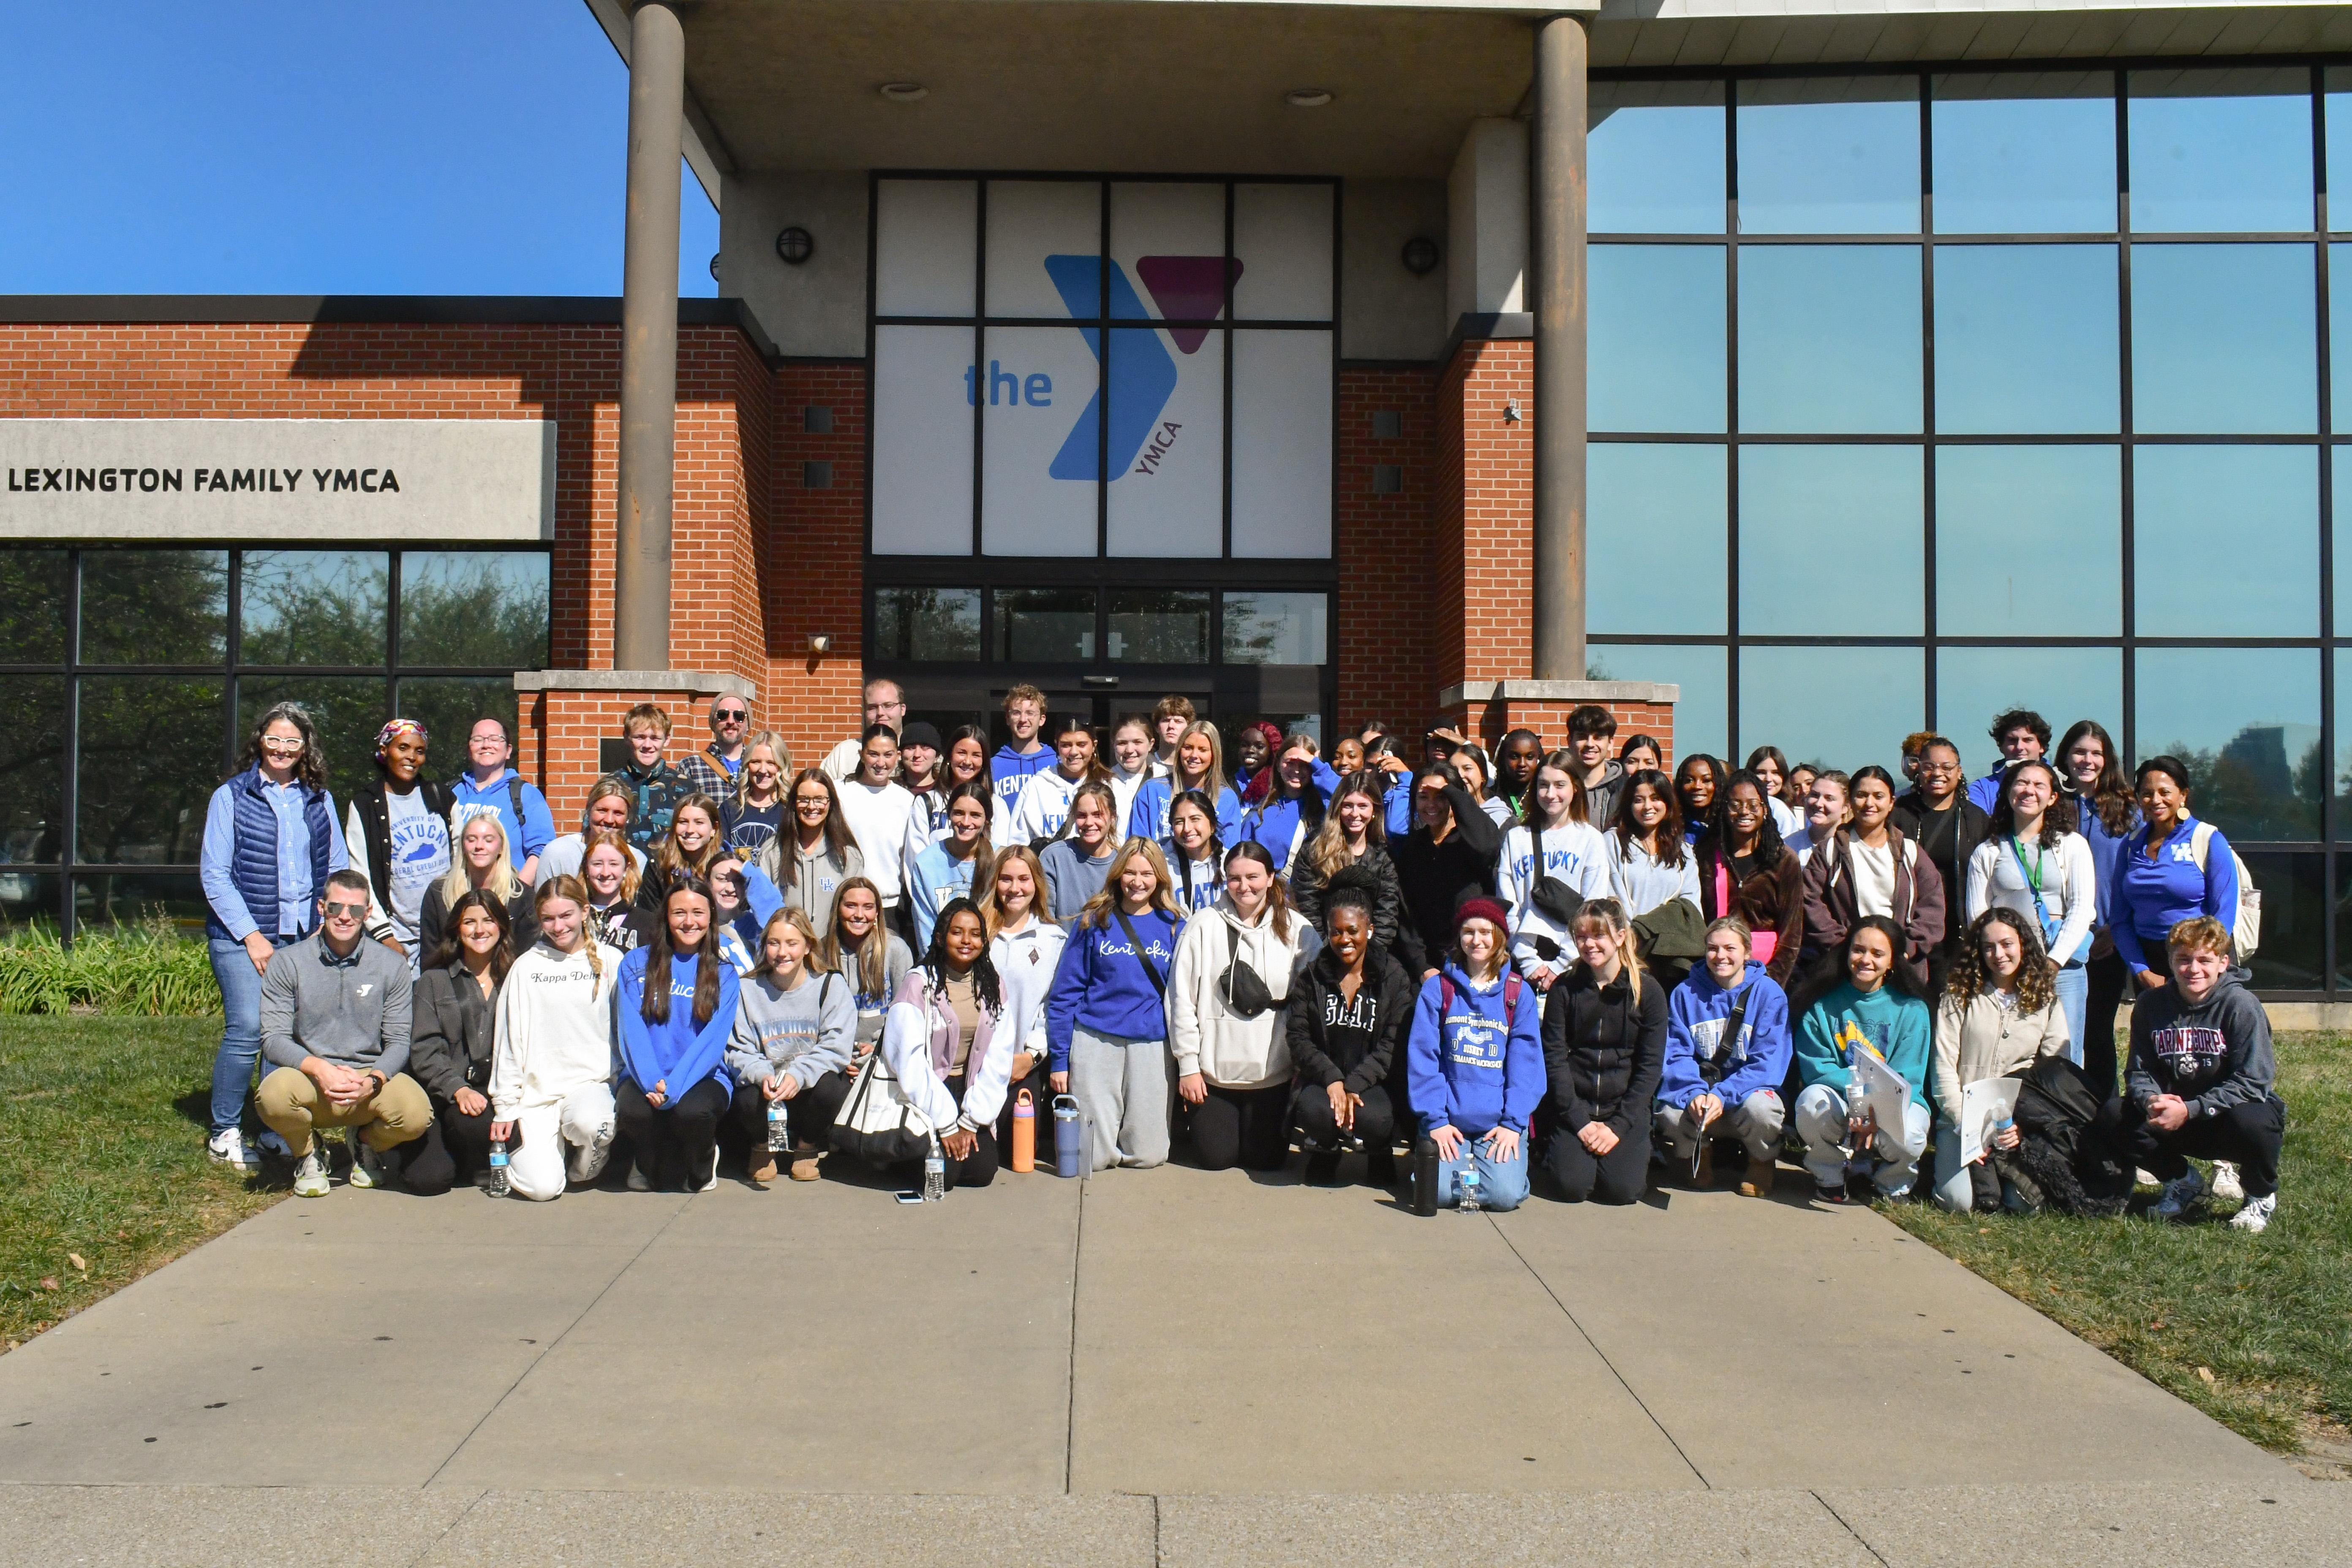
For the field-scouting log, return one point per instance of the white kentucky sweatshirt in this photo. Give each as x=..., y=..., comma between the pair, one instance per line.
x=555, y=1029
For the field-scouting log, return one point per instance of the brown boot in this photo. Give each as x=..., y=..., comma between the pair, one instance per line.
x=761, y=1162
x=1758, y=1183
x=1703, y=1178
x=803, y=1163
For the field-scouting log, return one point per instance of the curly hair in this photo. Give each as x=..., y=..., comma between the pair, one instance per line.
x=986, y=988
x=2037, y=977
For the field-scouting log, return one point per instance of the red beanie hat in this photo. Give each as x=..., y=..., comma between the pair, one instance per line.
x=1483, y=908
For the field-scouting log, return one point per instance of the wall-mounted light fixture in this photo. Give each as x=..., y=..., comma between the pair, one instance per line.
x=1419, y=256
x=1511, y=415
x=794, y=244
x=819, y=644
x=905, y=92
x=1308, y=96
x=714, y=266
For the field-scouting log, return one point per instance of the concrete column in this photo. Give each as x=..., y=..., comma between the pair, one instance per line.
x=1556, y=222
x=649, y=340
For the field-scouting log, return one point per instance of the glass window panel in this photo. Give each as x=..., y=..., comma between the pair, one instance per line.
x=2226, y=542
x=347, y=711
x=1044, y=625
x=2340, y=324
x=2342, y=457
x=2342, y=781
x=27, y=896
x=462, y=608
x=1655, y=158
x=923, y=389
x=32, y=769
x=2223, y=340
x=1276, y=629
x=924, y=232
x=2213, y=152
x=2026, y=153
x=2246, y=721
x=926, y=624
x=1282, y=444
x=1282, y=238
x=1829, y=155
x=2027, y=340
x=1040, y=451
x=35, y=585
x=1169, y=239
x=2061, y=684
x=1031, y=220
x=1655, y=561
x=1657, y=338
x=2294, y=954
x=1167, y=442
x=448, y=710
x=1168, y=627
x=149, y=763
x=1832, y=541
x=2028, y=541
x=134, y=897
x=155, y=607
x=2339, y=176
x=313, y=606
x=1701, y=711
x=1829, y=339
x=1840, y=707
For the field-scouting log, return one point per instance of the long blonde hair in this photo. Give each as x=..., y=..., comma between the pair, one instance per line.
x=873, y=974
x=990, y=910
x=571, y=886
x=1215, y=782
x=1328, y=851
x=1610, y=915
x=812, y=955
x=503, y=882
x=1099, y=910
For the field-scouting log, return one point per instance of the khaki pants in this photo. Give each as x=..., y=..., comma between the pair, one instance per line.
x=291, y=1104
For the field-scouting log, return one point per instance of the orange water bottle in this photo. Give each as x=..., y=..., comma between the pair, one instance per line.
x=1024, y=1131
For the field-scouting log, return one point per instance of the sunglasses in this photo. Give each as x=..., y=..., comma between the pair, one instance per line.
x=352, y=911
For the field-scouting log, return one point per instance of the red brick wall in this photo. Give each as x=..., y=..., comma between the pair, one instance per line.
x=1490, y=721
x=1485, y=515
x=1381, y=623
x=817, y=543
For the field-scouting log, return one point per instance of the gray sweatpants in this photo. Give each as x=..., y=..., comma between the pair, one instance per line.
x=1124, y=1088
x=1755, y=1121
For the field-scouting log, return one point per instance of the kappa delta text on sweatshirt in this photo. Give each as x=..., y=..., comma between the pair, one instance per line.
x=555, y=1027
x=1102, y=986
x=2213, y=1054
x=1846, y=1020
x=675, y=1052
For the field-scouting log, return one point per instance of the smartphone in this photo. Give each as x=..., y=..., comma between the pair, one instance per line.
x=909, y=1197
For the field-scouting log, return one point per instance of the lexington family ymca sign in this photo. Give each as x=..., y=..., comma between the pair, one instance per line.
x=278, y=479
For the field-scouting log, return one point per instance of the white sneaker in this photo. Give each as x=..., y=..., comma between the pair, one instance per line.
x=2255, y=1216
x=587, y=1160
x=2178, y=1196
x=2226, y=1188
x=638, y=1181
x=310, y=1175
x=228, y=1147
x=367, y=1167
x=713, y=1182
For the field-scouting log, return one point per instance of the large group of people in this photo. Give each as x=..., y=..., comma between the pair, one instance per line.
x=1558, y=961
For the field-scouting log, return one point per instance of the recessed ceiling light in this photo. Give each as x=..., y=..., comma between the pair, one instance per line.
x=1308, y=96
x=904, y=92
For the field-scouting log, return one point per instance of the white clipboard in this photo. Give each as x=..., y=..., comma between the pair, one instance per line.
x=1885, y=1091
x=1983, y=1105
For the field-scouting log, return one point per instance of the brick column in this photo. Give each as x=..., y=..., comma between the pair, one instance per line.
x=567, y=714
x=1490, y=710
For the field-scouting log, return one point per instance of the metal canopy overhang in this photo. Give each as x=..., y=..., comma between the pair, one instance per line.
x=1165, y=85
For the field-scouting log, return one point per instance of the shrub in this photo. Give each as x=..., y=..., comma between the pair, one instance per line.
x=147, y=969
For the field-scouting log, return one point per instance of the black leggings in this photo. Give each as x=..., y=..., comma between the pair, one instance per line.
x=2110, y=982
x=810, y=1112
x=1245, y=1127
x=454, y=1146
x=1616, y=1177
x=976, y=1169
x=2249, y=1134
x=673, y=1143
x=1375, y=1119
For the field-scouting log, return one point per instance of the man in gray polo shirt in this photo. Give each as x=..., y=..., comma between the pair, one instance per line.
x=334, y=1027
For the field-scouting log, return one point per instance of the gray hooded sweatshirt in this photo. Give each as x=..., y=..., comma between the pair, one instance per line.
x=2214, y=1054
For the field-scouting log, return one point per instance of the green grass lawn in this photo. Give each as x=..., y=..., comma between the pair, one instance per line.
x=102, y=1156
x=2256, y=1331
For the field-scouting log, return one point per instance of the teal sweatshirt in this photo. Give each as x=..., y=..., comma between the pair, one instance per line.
x=1897, y=1026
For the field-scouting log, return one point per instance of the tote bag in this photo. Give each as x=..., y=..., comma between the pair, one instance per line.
x=877, y=1123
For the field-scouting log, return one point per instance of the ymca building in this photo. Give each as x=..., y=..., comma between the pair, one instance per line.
x=1768, y=371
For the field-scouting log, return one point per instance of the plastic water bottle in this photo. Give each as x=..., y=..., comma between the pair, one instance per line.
x=499, y=1186
x=779, y=1130
x=935, y=1175
x=1858, y=1163
x=1465, y=1187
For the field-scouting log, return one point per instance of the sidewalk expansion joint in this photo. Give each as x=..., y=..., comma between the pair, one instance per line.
x=1849, y=1529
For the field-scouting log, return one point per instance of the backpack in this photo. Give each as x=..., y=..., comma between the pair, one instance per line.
x=1511, y=984
x=2246, y=927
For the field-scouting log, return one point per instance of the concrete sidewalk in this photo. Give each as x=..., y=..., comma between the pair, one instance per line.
x=1192, y=1367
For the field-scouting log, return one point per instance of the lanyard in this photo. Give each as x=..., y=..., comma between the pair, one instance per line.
x=2032, y=872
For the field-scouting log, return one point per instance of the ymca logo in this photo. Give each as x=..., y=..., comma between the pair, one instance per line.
x=1141, y=375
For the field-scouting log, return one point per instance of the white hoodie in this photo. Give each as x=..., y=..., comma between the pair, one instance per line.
x=1206, y=1036
x=1044, y=805
x=1026, y=961
x=555, y=1029
x=1575, y=854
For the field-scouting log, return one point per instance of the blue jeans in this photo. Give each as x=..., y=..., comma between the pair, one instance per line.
x=1502, y=1184
x=240, y=1046
x=2074, y=1001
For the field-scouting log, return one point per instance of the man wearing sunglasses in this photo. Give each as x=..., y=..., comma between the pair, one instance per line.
x=334, y=1028
x=714, y=770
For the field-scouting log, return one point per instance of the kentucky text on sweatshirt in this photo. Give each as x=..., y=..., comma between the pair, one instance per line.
x=2213, y=1055
x=1697, y=1014
x=1044, y=805
x=677, y=1052
x=1101, y=986
x=1009, y=770
x=1148, y=819
x=2153, y=892
x=1845, y=1021
x=555, y=1029
x=1574, y=854
x=1475, y=1067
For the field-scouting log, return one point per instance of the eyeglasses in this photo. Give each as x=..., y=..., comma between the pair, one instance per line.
x=345, y=912
x=273, y=744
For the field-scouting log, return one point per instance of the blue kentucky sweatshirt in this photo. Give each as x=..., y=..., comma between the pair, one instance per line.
x=1698, y=1011
x=1102, y=986
x=1273, y=821
x=1009, y=770
x=2154, y=891
x=675, y=1052
x=1476, y=1068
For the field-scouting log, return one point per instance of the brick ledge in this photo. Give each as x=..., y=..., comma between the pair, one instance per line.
x=1558, y=691
x=694, y=681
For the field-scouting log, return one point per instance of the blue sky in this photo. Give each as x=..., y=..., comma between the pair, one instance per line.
x=332, y=147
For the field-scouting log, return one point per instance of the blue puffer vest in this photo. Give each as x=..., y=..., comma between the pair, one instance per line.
x=252, y=859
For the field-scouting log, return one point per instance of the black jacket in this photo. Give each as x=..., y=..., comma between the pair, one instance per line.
x=432, y=920
x=1309, y=887
x=1948, y=839
x=375, y=818
x=454, y=1029
x=1603, y=1051
x=1387, y=995
x=622, y=925
x=1434, y=878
